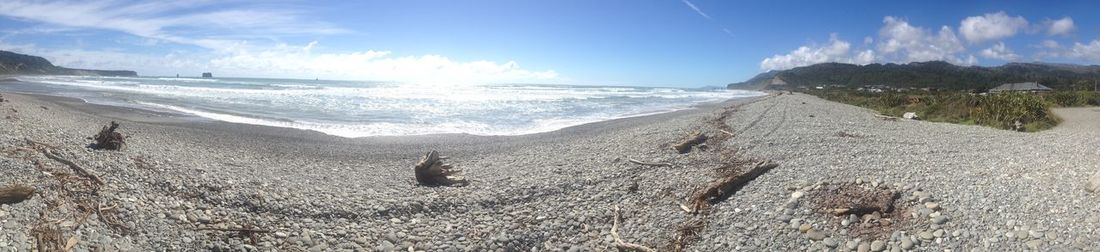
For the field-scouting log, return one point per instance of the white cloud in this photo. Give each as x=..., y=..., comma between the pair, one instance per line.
x=167, y=20
x=1000, y=51
x=697, y=10
x=901, y=42
x=836, y=51
x=236, y=42
x=1050, y=44
x=991, y=26
x=1090, y=51
x=1062, y=26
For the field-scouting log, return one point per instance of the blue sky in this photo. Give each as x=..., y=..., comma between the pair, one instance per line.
x=652, y=43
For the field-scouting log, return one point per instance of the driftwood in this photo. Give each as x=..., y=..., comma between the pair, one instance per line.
x=619, y=243
x=15, y=193
x=108, y=139
x=685, y=146
x=724, y=187
x=648, y=163
x=431, y=171
x=887, y=118
x=45, y=149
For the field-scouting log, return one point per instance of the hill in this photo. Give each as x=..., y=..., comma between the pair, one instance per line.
x=932, y=74
x=15, y=63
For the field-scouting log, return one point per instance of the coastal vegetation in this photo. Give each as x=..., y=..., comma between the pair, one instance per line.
x=1019, y=111
x=931, y=74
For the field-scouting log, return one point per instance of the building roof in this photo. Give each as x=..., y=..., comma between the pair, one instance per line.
x=1022, y=86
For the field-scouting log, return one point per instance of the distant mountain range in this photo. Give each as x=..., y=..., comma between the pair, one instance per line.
x=932, y=74
x=15, y=63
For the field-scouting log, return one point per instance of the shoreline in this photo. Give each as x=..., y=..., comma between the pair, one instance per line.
x=185, y=119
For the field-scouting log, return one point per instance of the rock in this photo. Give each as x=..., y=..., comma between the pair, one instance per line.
x=830, y=242
x=1093, y=184
x=797, y=194
x=910, y=116
x=925, y=235
x=280, y=235
x=851, y=244
x=906, y=244
x=1034, y=244
x=804, y=227
x=878, y=245
x=863, y=247
x=938, y=233
x=940, y=219
x=795, y=223
x=1020, y=235
x=957, y=233
x=932, y=205
x=785, y=218
x=815, y=235
x=1035, y=234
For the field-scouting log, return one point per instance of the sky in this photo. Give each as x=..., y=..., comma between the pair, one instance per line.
x=679, y=43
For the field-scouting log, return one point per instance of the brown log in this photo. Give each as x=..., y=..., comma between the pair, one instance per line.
x=431, y=171
x=15, y=193
x=726, y=186
x=685, y=146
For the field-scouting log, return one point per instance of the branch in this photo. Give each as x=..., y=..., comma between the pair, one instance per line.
x=648, y=163
x=619, y=243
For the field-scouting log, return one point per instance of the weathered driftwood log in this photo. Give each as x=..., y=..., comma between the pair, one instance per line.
x=685, y=146
x=108, y=139
x=619, y=243
x=431, y=171
x=725, y=186
x=15, y=193
x=848, y=199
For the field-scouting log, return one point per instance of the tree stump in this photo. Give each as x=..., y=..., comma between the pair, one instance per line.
x=431, y=171
x=108, y=139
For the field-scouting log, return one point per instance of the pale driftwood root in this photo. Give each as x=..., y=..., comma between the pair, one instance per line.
x=724, y=187
x=635, y=161
x=685, y=146
x=108, y=139
x=431, y=171
x=619, y=243
x=887, y=118
x=15, y=193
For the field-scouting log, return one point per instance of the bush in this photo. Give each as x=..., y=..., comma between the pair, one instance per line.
x=996, y=110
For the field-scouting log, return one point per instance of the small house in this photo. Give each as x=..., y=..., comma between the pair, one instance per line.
x=1031, y=87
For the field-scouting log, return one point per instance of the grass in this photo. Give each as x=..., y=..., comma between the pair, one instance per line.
x=995, y=110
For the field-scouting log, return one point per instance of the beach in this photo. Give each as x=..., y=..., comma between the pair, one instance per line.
x=186, y=183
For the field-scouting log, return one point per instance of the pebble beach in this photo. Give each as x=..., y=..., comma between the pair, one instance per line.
x=187, y=184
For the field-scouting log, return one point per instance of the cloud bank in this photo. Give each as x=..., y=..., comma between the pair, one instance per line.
x=239, y=39
x=899, y=41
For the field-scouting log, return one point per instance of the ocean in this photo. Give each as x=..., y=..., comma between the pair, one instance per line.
x=359, y=109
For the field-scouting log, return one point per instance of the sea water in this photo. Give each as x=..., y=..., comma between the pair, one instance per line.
x=359, y=108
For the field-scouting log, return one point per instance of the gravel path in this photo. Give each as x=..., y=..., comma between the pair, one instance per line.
x=181, y=177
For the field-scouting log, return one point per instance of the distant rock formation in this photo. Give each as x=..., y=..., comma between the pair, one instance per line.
x=15, y=63
x=207, y=75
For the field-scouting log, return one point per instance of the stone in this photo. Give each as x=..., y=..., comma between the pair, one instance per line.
x=804, y=227
x=830, y=242
x=1093, y=184
x=878, y=245
x=925, y=235
x=1035, y=234
x=940, y=219
x=797, y=194
x=906, y=244
x=938, y=233
x=957, y=233
x=280, y=235
x=932, y=205
x=795, y=223
x=851, y=244
x=1020, y=235
x=1034, y=244
x=815, y=235
x=910, y=116
x=863, y=247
